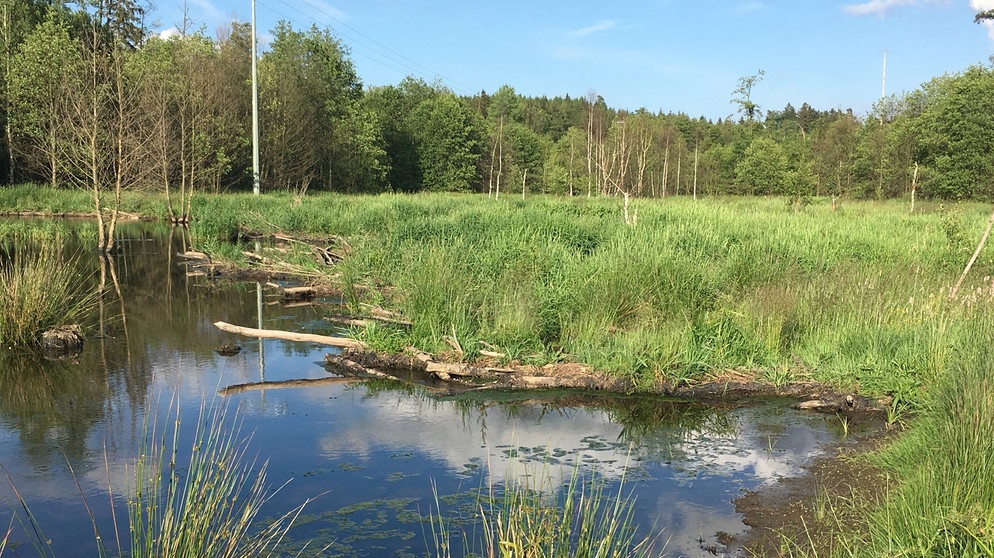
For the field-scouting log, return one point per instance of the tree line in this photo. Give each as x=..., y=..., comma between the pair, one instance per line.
x=89, y=98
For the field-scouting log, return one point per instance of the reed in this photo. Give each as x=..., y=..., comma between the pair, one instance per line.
x=205, y=504
x=530, y=518
x=211, y=506
x=943, y=504
x=42, y=288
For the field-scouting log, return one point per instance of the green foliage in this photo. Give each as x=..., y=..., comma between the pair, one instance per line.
x=955, y=133
x=942, y=507
x=317, y=131
x=697, y=287
x=448, y=139
x=763, y=168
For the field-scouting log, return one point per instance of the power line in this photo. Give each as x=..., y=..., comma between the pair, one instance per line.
x=379, y=54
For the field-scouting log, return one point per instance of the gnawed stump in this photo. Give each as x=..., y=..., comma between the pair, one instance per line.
x=63, y=342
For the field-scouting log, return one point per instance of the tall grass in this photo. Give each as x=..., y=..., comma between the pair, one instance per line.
x=944, y=505
x=853, y=297
x=529, y=519
x=42, y=288
x=938, y=499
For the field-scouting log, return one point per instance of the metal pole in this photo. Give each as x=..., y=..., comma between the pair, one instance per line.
x=883, y=88
x=256, y=180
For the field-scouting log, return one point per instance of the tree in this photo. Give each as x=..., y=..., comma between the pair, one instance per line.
x=833, y=153
x=955, y=133
x=17, y=20
x=106, y=152
x=38, y=85
x=743, y=94
x=448, y=138
x=763, y=169
x=390, y=107
x=316, y=131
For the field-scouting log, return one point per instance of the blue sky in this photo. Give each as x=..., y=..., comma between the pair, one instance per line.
x=669, y=55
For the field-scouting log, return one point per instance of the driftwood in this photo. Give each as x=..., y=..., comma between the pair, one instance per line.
x=298, y=293
x=195, y=256
x=291, y=336
x=325, y=255
x=381, y=315
x=300, y=382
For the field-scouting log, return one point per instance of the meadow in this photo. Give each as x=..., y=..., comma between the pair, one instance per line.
x=855, y=297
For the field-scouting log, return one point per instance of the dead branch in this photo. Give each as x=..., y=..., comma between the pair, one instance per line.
x=291, y=336
x=980, y=246
x=299, y=382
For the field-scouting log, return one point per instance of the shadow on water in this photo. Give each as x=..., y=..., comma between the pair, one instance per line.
x=374, y=450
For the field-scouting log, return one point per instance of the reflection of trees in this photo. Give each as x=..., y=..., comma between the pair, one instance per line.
x=52, y=405
x=648, y=422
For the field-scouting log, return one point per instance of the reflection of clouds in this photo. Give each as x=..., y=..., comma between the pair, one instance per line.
x=750, y=448
x=688, y=523
x=508, y=444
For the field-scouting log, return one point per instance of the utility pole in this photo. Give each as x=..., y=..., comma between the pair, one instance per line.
x=256, y=181
x=883, y=89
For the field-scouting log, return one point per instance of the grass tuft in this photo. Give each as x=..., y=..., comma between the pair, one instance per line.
x=42, y=289
x=530, y=518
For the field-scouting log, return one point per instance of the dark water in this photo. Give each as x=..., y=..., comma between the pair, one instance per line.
x=372, y=451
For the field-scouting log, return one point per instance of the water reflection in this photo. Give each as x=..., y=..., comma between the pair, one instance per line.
x=374, y=450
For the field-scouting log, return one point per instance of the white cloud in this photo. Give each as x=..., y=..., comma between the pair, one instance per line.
x=603, y=25
x=881, y=6
x=326, y=10
x=874, y=6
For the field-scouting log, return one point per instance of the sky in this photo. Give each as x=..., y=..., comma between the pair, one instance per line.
x=662, y=55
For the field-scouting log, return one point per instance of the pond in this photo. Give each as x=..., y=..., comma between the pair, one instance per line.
x=377, y=457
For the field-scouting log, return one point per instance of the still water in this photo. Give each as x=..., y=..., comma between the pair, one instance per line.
x=370, y=453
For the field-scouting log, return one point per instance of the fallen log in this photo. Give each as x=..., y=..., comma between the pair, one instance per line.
x=291, y=336
x=355, y=370
x=279, y=384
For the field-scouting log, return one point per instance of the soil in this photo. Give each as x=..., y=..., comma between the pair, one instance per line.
x=804, y=515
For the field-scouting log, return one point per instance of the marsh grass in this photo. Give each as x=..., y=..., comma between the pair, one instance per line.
x=531, y=518
x=207, y=505
x=943, y=506
x=853, y=298
x=211, y=506
x=42, y=288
